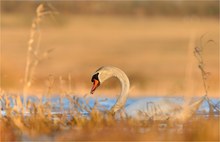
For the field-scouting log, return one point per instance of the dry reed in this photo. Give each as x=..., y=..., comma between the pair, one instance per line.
x=34, y=56
x=198, y=53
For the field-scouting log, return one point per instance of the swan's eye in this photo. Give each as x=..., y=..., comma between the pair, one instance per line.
x=95, y=77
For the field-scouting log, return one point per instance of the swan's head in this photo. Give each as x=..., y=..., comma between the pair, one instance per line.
x=100, y=76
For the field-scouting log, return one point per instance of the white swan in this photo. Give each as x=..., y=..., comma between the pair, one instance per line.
x=161, y=110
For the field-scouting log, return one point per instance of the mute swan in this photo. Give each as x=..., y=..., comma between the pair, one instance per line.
x=161, y=110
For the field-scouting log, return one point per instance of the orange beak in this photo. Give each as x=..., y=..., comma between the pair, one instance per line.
x=96, y=84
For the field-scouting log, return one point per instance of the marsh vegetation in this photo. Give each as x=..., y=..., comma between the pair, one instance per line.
x=53, y=51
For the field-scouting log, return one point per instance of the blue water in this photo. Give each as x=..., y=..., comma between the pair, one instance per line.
x=64, y=104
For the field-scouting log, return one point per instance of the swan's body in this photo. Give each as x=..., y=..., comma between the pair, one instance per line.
x=155, y=110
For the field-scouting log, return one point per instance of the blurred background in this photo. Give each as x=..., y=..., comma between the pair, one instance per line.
x=150, y=40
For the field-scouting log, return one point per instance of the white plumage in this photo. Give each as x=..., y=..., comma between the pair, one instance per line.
x=144, y=109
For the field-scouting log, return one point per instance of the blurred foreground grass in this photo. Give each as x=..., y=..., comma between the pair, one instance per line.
x=42, y=124
x=197, y=130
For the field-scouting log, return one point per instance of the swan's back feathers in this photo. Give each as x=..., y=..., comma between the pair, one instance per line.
x=160, y=110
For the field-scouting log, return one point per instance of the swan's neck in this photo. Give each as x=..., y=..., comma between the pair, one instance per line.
x=125, y=84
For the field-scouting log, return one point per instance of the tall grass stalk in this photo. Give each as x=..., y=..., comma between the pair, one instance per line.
x=33, y=54
x=198, y=53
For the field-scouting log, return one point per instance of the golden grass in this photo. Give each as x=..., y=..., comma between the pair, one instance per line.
x=100, y=126
x=156, y=132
